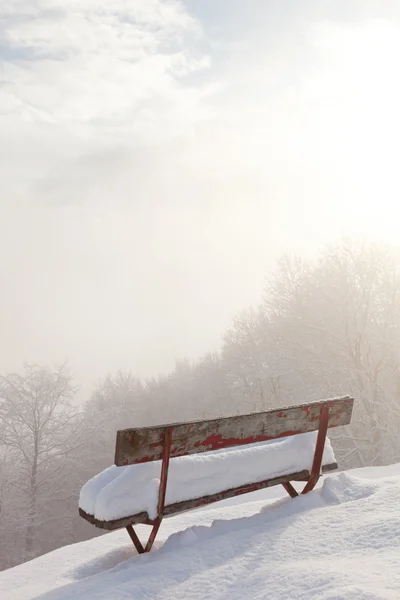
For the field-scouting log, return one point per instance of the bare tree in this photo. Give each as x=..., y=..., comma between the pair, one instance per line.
x=41, y=428
x=246, y=358
x=338, y=322
x=118, y=401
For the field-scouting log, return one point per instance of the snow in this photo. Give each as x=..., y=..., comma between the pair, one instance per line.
x=118, y=492
x=340, y=542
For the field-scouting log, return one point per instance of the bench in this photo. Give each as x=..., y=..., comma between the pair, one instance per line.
x=165, y=442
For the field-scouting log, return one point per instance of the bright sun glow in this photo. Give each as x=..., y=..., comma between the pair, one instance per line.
x=354, y=125
x=175, y=146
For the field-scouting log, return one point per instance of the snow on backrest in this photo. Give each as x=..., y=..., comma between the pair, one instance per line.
x=146, y=444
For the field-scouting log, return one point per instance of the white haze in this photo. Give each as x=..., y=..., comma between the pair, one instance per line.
x=157, y=157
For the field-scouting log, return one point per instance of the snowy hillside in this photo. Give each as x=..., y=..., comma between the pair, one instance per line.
x=341, y=542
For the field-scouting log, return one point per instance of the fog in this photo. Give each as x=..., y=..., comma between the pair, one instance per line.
x=157, y=160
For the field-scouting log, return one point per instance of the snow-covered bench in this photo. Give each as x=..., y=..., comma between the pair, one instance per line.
x=276, y=447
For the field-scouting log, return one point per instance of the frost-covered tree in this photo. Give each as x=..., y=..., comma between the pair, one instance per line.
x=327, y=327
x=245, y=357
x=41, y=434
x=117, y=402
x=336, y=325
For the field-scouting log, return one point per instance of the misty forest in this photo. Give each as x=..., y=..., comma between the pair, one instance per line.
x=324, y=326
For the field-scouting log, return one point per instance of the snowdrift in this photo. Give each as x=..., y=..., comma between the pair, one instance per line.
x=340, y=542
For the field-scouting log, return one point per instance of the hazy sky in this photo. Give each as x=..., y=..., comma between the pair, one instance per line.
x=156, y=157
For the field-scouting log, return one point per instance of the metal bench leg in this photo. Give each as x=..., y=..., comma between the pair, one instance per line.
x=318, y=454
x=153, y=535
x=161, y=499
x=290, y=489
x=319, y=450
x=136, y=542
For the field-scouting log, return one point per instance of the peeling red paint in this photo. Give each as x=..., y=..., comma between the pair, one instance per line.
x=146, y=444
x=216, y=441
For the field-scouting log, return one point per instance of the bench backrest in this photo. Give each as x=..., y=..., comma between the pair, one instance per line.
x=147, y=443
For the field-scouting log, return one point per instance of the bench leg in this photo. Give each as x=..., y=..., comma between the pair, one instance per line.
x=161, y=499
x=136, y=541
x=318, y=454
x=319, y=451
x=152, y=536
x=290, y=489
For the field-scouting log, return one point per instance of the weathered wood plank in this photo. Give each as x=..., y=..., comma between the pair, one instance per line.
x=146, y=444
x=186, y=505
x=116, y=524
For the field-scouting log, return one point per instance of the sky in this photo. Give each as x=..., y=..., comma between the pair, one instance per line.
x=157, y=157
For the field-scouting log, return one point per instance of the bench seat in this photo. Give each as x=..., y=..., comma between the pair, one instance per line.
x=130, y=494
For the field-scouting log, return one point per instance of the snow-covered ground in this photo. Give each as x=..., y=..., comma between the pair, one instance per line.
x=340, y=542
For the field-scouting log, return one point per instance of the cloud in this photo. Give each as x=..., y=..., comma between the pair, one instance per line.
x=161, y=154
x=82, y=61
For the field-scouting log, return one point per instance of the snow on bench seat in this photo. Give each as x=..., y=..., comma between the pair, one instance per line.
x=119, y=492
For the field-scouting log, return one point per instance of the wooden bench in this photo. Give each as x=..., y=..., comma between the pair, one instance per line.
x=147, y=444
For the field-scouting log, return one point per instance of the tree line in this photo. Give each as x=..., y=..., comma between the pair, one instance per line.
x=324, y=327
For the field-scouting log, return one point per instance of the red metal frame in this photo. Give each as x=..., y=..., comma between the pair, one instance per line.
x=136, y=542
x=318, y=454
x=156, y=523
x=290, y=489
x=319, y=450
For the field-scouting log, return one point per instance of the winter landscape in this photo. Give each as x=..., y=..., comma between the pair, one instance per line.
x=199, y=219
x=340, y=542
